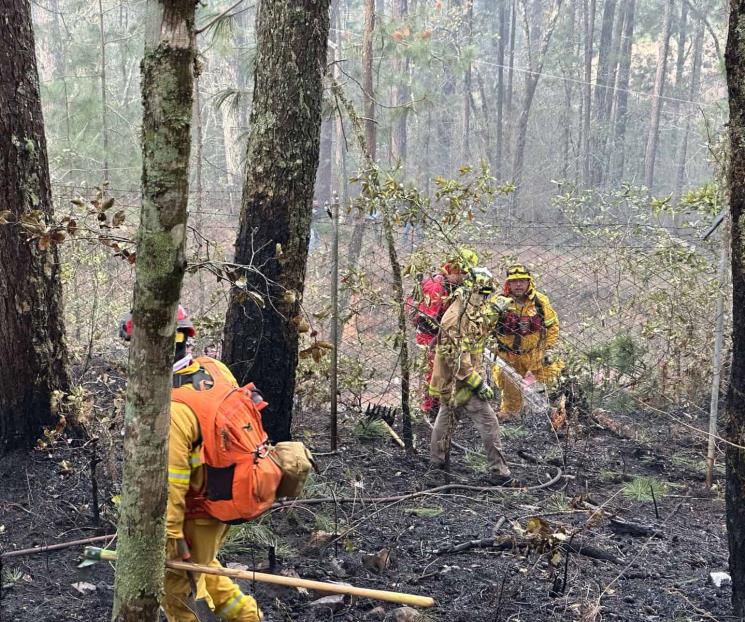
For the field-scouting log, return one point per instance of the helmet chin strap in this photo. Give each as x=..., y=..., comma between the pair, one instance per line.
x=182, y=363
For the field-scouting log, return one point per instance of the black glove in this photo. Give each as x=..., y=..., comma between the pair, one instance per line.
x=427, y=324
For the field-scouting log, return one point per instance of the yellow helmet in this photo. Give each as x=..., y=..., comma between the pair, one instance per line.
x=518, y=271
x=481, y=280
x=461, y=260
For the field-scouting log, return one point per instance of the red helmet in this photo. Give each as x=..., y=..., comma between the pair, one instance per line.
x=183, y=323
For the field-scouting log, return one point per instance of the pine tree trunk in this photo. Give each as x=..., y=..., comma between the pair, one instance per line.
x=698, y=47
x=167, y=98
x=735, y=419
x=602, y=93
x=589, y=24
x=32, y=335
x=531, y=82
x=657, y=102
x=500, y=84
x=400, y=92
x=368, y=92
x=261, y=344
x=622, y=95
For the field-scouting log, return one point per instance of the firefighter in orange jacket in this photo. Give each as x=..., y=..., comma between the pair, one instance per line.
x=192, y=534
x=526, y=333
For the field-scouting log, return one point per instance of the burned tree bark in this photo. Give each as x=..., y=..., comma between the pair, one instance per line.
x=735, y=419
x=261, y=344
x=167, y=89
x=32, y=338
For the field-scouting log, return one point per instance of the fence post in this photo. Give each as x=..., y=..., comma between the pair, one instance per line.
x=717, y=358
x=334, y=320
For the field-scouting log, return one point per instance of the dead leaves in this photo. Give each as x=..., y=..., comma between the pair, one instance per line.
x=316, y=350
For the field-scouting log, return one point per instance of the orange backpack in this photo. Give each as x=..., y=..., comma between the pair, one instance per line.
x=240, y=481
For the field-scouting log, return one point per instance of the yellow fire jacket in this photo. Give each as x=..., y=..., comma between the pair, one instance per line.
x=459, y=351
x=185, y=469
x=542, y=339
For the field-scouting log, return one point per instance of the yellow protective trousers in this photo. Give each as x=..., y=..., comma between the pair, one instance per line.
x=204, y=536
x=512, y=399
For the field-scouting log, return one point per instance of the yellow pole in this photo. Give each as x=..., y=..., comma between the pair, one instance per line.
x=262, y=577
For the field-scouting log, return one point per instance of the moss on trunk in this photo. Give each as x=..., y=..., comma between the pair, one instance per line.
x=167, y=78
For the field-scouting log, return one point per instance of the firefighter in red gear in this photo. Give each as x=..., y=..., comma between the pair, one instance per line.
x=193, y=535
x=433, y=301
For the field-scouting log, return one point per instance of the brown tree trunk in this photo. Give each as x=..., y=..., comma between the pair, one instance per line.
x=698, y=47
x=167, y=98
x=603, y=92
x=261, y=344
x=368, y=92
x=32, y=335
x=531, y=82
x=657, y=102
x=622, y=95
x=735, y=417
x=503, y=30
x=400, y=92
x=589, y=24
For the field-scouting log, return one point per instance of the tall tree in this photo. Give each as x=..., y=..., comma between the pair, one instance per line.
x=400, y=91
x=588, y=15
x=535, y=64
x=167, y=88
x=698, y=48
x=32, y=336
x=368, y=101
x=735, y=421
x=622, y=93
x=657, y=102
x=261, y=344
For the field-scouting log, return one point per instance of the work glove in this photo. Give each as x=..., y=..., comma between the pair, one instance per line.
x=500, y=304
x=427, y=325
x=177, y=548
x=549, y=358
x=484, y=392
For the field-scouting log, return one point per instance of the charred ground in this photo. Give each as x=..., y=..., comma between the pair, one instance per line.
x=46, y=498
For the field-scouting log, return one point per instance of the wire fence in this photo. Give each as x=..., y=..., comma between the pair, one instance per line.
x=636, y=299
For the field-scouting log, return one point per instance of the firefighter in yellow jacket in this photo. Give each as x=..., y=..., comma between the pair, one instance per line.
x=192, y=534
x=456, y=380
x=526, y=334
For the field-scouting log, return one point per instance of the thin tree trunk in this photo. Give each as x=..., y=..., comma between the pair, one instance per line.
x=589, y=24
x=531, y=82
x=32, y=334
x=510, y=82
x=603, y=93
x=261, y=344
x=468, y=22
x=622, y=96
x=322, y=193
x=104, y=122
x=502, y=35
x=657, y=103
x=400, y=92
x=735, y=420
x=167, y=93
x=368, y=101
x=698, y=47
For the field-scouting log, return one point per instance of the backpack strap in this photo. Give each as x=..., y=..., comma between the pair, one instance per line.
x=201, y=380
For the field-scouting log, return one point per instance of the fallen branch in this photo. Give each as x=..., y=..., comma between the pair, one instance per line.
x=55, y=547
x=422, y=493
x=96, y=554
x=634, y=529
x=500, y=544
